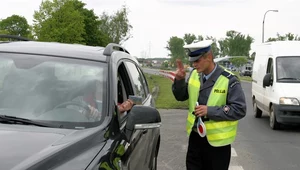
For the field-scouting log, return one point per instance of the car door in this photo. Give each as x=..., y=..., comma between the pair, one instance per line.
x=142, y=141
x=269, y=90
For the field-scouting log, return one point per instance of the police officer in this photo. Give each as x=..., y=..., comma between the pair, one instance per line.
x=221, y=103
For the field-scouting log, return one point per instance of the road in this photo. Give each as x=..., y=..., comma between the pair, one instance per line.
x=257, y=147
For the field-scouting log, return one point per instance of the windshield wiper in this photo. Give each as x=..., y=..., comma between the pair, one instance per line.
x=19, y=120
x=289, y=78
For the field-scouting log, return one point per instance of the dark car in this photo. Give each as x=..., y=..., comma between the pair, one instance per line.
x=43, y=123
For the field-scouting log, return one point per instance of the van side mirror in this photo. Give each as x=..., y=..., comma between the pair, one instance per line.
x=268, y=80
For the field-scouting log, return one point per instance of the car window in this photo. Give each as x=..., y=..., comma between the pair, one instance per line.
x=144, y=81
x=51, y=89
x=288, y=69
x=124, y=89
x=270, y=66
x=137, y=80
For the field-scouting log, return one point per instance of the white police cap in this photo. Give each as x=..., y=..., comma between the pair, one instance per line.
x=197, y=49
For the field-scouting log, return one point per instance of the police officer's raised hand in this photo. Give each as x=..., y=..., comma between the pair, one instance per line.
x=200, y=110
x=180, y=72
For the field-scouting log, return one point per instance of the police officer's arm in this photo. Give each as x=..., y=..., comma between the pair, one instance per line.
x=179, y=89
x=236, y=104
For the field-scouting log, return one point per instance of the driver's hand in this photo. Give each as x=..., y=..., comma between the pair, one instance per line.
x=125, y=106
x=93, y=112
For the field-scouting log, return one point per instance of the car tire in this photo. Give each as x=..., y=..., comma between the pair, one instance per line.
x=273, y=122
x=256, y=110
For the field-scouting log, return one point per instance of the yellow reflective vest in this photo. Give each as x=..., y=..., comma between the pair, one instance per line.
x=218, y=133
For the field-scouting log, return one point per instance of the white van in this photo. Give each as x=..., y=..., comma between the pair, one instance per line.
x=276, y=82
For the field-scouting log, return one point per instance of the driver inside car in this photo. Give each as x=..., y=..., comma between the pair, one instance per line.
x=90, y=102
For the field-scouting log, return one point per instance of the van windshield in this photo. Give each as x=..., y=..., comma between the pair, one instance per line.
x=287, y=69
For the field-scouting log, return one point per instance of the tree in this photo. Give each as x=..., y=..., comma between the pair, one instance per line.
x=59, y=21
x=4, y=32
x=175, y=46
x=238, y=61
x=93, y=35
x=200, y=38
x=116, y=26
x=214, y=47
x=235, y=44
x=15, y=25
x=286, y=37
x=189, y=38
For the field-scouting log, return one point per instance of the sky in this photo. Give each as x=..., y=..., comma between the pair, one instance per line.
x=155, y=21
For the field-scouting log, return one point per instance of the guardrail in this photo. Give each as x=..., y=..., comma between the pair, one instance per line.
x=168, y=74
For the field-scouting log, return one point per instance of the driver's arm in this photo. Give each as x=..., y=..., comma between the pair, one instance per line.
x=125, y=106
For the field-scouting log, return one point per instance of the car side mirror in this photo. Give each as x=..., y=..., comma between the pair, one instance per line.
x=268, y=79
x=142, y=118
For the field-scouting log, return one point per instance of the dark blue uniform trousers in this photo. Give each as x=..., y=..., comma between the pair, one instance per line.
x=202, y=156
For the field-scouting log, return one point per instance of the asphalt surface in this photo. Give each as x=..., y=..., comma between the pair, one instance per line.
x=257, y=146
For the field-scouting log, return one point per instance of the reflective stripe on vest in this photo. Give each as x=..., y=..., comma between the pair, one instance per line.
x=218, y=133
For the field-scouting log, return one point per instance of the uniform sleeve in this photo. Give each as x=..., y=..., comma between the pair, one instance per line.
x=179, y=89
x=235, y=108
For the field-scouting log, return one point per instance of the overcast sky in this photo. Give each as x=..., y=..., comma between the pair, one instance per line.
x=155, y=21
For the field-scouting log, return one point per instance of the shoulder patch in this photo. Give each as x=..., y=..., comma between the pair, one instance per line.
x=227, y=74
x=234, y=83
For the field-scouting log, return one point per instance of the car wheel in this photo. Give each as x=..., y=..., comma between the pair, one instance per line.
x=256, y=110
x=273, y=122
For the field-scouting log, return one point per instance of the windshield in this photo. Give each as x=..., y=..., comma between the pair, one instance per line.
x=68, y=92
x=288, y=69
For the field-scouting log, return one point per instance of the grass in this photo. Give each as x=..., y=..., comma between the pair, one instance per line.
x=165, y=98
x=244, y=78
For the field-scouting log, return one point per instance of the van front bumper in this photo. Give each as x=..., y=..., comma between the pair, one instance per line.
x=287, y=114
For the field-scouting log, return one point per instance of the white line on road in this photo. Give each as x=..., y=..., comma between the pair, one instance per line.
x=236, y=168
x=233, y=152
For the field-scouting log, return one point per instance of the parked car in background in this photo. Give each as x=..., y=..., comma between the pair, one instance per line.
x=247, y=71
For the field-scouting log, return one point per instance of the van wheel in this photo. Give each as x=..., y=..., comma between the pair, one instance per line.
x=256, y=110
x=273, y=122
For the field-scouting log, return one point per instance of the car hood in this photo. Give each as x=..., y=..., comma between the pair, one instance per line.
x=25, y=147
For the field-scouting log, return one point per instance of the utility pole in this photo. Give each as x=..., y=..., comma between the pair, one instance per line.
x=149, y=49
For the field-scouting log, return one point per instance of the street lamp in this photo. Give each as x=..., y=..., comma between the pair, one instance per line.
x=263, y=26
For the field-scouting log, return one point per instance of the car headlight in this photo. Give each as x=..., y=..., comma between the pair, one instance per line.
x=288, y=101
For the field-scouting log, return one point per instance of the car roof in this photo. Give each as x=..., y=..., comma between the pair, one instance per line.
x=54, y=49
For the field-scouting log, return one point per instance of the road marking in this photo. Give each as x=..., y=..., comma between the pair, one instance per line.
x=233, y=152
x=236, y=168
